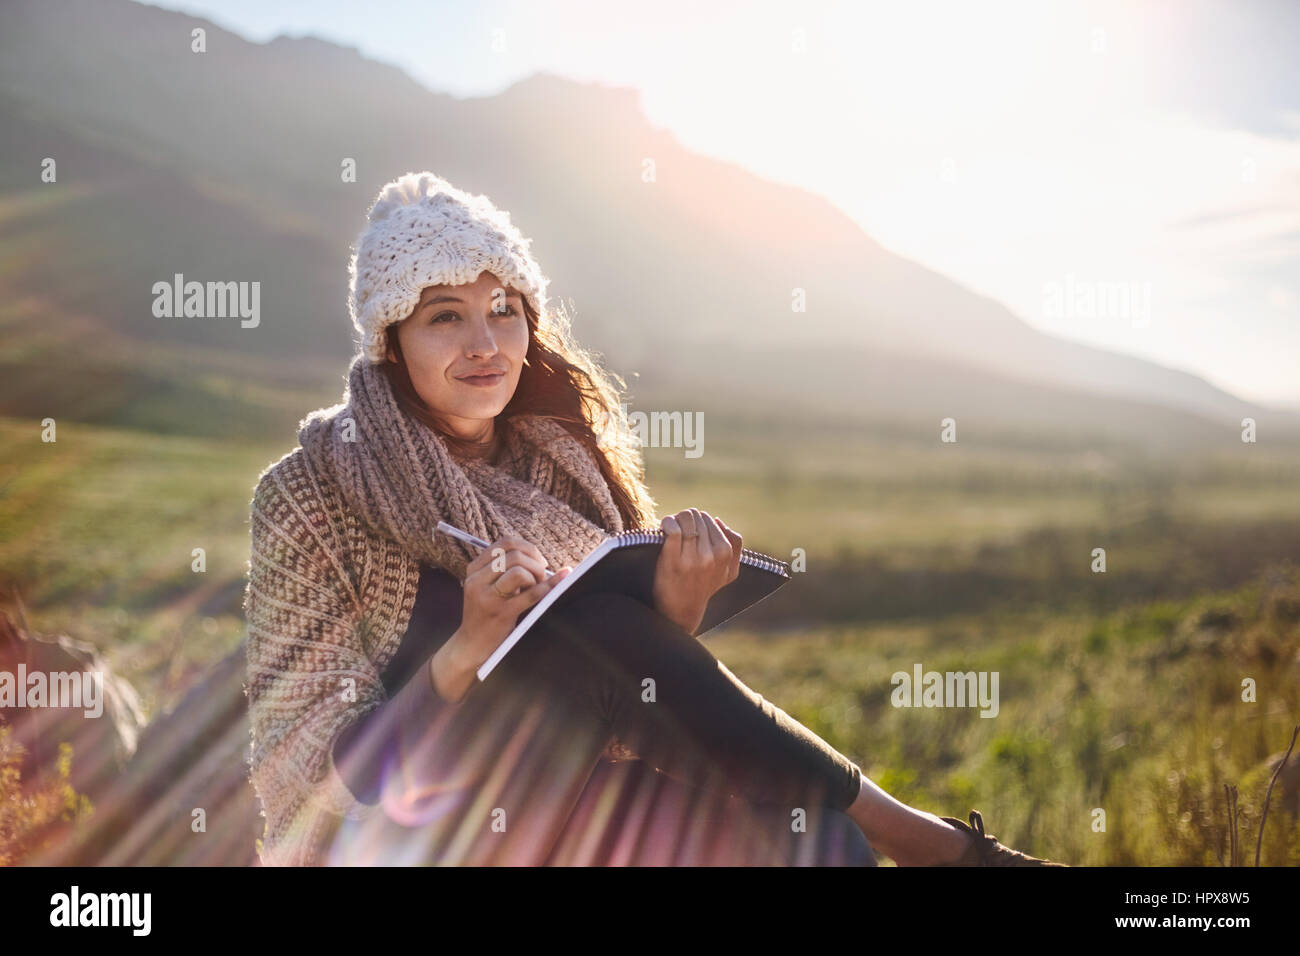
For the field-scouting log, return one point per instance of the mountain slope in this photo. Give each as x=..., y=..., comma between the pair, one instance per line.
x=225, y=166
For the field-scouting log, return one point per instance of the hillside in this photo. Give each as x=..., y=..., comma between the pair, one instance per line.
x=225, y=166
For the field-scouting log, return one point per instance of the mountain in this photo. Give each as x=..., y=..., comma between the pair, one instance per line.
x=226, y=165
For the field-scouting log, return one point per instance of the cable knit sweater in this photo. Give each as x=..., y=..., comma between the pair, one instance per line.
x=327, y=602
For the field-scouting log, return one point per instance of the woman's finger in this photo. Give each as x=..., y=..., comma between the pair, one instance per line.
x=733, y=570
x=713, y=543
x=513, y=542
x=703, y=543
x=506, y=583
x=531, y=595
x=516, y=558
x=672, y=537
x=500, y=557
x=719, y=548
x=716, y=537
x=501, y=582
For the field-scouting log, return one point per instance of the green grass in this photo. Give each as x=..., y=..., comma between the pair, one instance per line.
x=97, y=532
x=1138, y=713
x=1115, y=691
x=868, y=490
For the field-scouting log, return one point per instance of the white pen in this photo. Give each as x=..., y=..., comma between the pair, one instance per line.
x=471, y=539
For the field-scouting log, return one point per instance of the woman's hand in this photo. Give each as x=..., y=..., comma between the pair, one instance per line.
x=700, y=556
x=496, y=593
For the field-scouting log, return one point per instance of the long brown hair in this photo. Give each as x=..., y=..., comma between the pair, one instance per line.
x=562, y=381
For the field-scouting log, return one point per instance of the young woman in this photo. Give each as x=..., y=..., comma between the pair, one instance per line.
x=372, y=738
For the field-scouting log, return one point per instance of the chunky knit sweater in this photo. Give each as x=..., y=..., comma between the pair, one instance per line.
x=390, y=734
x=339, y=528
x=327, y=604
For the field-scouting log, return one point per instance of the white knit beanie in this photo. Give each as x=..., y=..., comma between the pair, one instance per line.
x=423, y=231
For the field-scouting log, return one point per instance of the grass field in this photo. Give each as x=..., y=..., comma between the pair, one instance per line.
x=1119, y=691
x=1138, y=713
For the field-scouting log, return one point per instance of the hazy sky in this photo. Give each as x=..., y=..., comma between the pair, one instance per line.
x=1146, y=153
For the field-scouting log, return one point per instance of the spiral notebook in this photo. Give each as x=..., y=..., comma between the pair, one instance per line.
x=625, y=563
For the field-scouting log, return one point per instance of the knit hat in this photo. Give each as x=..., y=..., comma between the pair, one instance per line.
x=423, y=231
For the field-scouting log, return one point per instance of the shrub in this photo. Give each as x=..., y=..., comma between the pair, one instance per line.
x=36, y=816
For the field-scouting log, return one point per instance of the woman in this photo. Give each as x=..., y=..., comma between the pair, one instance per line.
x=372, y=738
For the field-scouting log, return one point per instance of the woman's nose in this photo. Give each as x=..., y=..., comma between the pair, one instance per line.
x=481, y=340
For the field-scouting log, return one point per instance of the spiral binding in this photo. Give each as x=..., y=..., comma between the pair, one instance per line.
x=748, y=556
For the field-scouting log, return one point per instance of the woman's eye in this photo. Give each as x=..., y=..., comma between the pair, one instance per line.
x=508, y=313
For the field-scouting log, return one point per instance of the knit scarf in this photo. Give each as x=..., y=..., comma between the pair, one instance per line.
x=398, y=476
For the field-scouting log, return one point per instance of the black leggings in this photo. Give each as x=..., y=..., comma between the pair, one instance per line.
x=496, y=777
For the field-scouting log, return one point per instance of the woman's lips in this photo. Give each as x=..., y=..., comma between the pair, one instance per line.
x=483, y=381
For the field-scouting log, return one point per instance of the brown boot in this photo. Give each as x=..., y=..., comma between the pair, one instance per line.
x=984, y=850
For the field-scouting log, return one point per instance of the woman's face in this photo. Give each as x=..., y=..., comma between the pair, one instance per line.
x=456, y=331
